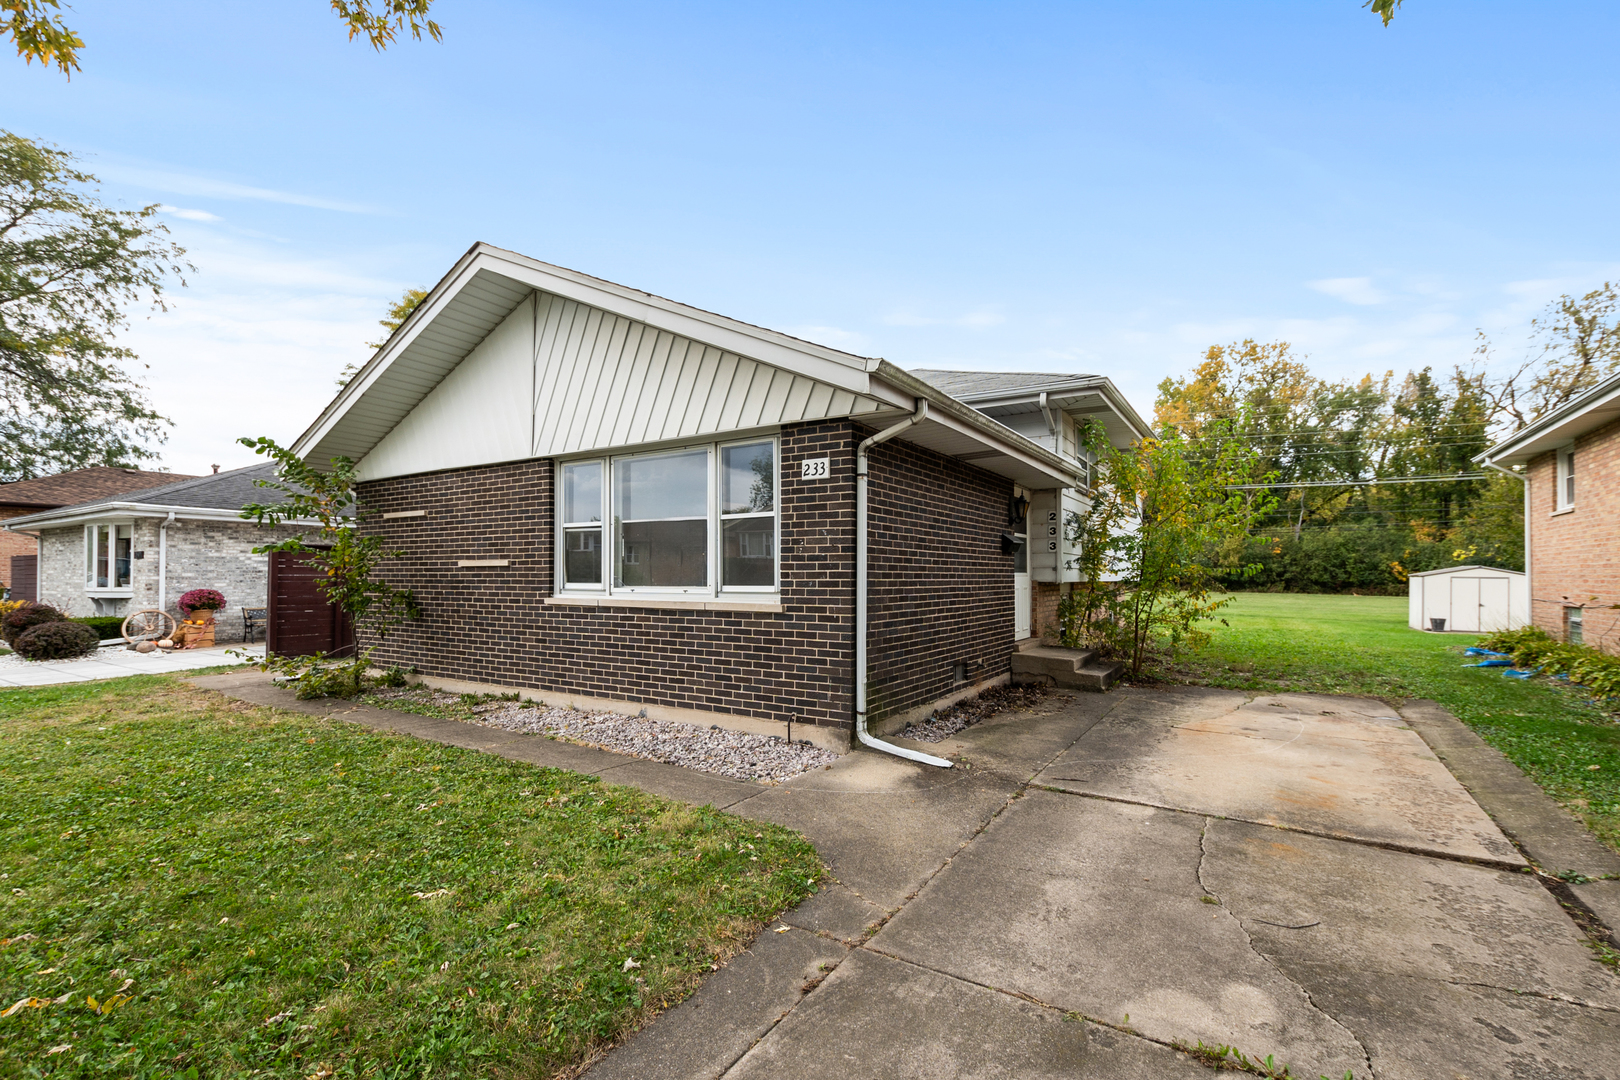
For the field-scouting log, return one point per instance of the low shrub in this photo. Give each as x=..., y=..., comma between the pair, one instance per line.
x=107, y=626
x=26, y=617
x=56, y=641
x=1533, y=647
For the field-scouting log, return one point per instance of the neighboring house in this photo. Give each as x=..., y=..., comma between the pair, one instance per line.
x=613, y=498
x=143, y=549
x=1571, y=460
x=49, y=492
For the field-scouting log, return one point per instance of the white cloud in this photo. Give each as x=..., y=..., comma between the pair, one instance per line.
x=190, y=215
x=1352, y=290
x=830, y=336
x=180, y=183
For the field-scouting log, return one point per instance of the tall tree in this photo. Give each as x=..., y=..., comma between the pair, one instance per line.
x=69, y=268
x=1576, y=345
x=398, y=312
x=37, y=28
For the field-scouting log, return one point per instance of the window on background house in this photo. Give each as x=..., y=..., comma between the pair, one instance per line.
x=1566, y=479
x=107, y=552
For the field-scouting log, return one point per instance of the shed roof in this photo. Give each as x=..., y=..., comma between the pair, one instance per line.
x=1470, y=566
x=81, y=485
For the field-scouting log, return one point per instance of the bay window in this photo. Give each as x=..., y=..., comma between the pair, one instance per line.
x=107, y=553
x=696, y=521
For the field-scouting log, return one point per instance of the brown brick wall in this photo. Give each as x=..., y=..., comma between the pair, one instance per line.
x=941, y=591
x=1044, y=610
x=1575, y=556
x=15, y=543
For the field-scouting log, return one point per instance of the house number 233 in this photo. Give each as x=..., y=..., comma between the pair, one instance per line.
x=814, y=468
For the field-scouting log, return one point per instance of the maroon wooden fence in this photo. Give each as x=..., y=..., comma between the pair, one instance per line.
x=300, y=621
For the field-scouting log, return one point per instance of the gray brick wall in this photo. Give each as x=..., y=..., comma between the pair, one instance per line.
x=202, y=555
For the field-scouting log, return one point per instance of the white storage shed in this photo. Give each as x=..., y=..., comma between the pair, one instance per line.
x=1473, y=599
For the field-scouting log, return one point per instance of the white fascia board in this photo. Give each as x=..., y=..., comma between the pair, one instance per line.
x=842, y=370
x=965, y=419
x=1598, y=406
x=34, y=523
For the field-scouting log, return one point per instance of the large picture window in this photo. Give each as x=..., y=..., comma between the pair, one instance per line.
x=696, y=520
x=107, y=552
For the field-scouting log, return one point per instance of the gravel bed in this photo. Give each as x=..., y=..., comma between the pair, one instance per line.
x=944, y=723
x=736, y=755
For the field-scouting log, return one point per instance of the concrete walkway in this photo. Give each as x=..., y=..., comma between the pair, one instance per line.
x=1116, y=876
x=116, y=662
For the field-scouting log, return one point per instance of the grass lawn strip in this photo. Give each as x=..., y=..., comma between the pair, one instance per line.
x=1556, y=733
x=244, y=890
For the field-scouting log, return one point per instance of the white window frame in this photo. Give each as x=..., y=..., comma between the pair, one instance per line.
x=1565, y=478
x=91, y=534
x=715, y=589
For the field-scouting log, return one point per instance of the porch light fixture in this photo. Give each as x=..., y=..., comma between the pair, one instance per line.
x=1018, y=510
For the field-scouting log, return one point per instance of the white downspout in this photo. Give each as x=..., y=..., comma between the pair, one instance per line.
x=163, y=562
x=860, y=594
x=1529, y=594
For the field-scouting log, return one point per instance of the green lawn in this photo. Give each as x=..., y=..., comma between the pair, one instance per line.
x=244, y=891
x=1361, y=645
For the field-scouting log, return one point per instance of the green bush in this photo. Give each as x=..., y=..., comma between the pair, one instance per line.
x=1372, y=560
x=107, y=626
x=55, y=641
x=1533, y=647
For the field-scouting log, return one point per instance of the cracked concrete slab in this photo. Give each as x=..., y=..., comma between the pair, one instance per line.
x=933, y=1026
x=1096, y=907
x=1376, y=912
x=1345, y=767
x=1428, y=1029
x=838, y=913
x=701, y=1038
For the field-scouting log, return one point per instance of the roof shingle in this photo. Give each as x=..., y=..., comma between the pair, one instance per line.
x=960, y=384
x=81, y=485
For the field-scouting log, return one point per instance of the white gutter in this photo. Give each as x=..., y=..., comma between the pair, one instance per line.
x=860, y=595
x=163, y=562
x=101, y=511
x=1524, y=478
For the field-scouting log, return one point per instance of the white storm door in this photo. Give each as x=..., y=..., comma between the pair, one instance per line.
x=1464, y=604
x=1493, y=604
x=1022, y=597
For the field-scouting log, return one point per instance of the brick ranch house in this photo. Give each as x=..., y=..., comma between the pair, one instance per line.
x=1570, y=463
x=144, y=549
x=613, y=499
x=19, y=550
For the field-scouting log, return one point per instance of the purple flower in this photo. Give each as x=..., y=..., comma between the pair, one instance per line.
x=201, y=600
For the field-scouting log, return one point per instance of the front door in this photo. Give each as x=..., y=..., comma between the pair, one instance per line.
x=1022, y=598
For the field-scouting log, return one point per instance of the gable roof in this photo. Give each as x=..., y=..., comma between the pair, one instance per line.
x=1593, y=409
x=221, y=495
x=80, y=485
x=510, y=358
x=1005, y=394
x=965, y=385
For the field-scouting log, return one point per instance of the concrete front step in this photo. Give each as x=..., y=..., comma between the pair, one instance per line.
x=1072, y=669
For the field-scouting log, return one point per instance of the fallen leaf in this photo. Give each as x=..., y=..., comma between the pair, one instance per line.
x=59, y=1049
x=783, y=929
x=431, y=895
x=46, y=971
x=630, y=964
x=278, y=1018
x=26, y=1003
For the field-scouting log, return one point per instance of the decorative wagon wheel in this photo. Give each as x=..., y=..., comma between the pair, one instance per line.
x=149, y=625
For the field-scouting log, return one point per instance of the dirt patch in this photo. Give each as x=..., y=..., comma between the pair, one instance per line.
x=944, y=723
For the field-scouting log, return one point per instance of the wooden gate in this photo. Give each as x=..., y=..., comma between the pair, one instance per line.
x=300, y=621
x=24, y=580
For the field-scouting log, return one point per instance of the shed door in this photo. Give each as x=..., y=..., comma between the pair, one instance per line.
x=300, y=621
x=1493, y=603
x=1464, y=604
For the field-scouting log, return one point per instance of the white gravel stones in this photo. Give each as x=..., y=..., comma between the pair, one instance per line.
x=735, y=755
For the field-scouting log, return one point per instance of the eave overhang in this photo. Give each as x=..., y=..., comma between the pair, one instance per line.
x=1592, y=410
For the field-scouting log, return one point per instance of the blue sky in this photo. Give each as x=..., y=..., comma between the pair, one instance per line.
x=1104, y=188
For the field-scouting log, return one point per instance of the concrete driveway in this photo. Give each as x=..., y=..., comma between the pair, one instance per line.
x=1118, y=876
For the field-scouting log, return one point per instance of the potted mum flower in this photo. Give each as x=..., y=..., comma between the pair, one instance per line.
x=201, y=603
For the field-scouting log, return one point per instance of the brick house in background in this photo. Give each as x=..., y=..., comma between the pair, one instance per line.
x=614, y=499
x=144, y=549
x=49, y=492
x=1571, y=468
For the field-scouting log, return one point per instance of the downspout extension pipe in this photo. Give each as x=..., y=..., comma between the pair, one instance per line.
x=866, y=737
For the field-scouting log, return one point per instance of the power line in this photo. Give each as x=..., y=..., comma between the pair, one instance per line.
x=1358, y=483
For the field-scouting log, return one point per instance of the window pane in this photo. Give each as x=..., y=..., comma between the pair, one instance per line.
x=663, y=554
x=121, y=557
x=750, y=551
x=101, y=556
x=1021, y=556
x=582, y=492
x=747, y=478
x=662, y=486
x=582, y=560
